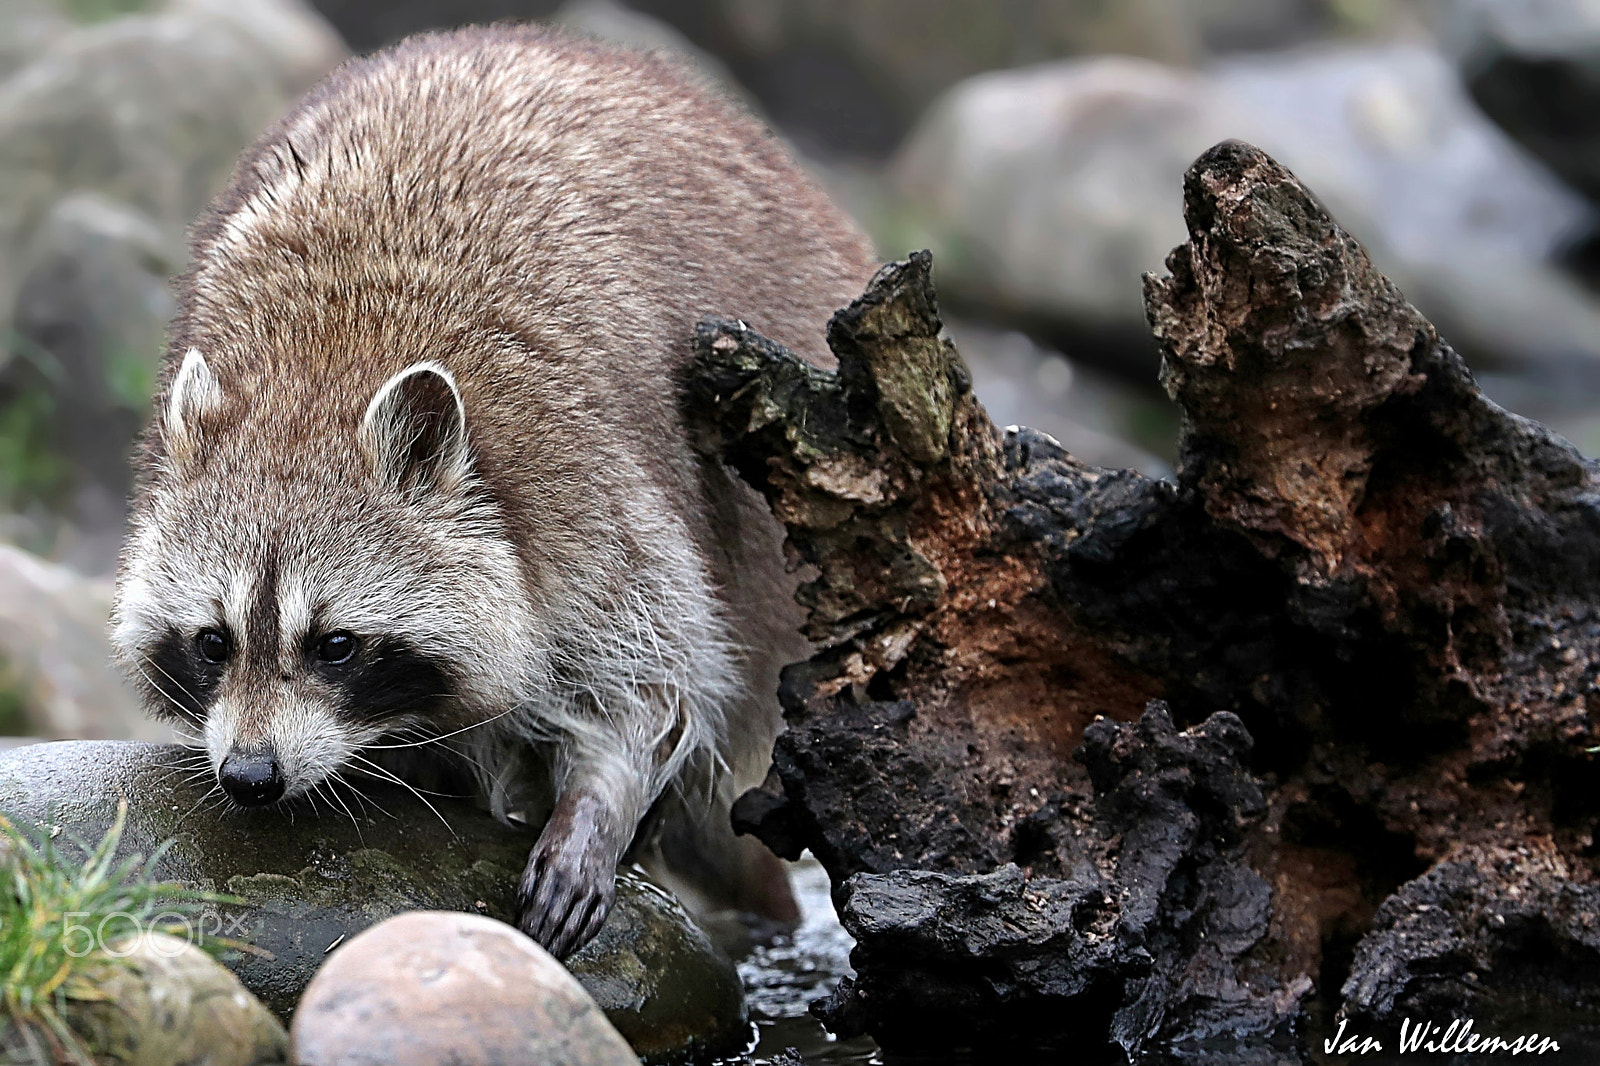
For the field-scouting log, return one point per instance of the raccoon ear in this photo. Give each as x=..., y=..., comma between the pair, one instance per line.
x=415, y=430
x=195, y=394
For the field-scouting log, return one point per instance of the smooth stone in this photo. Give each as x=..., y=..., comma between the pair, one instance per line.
x=302, y=45
x=1457, y=216
x=168, y=1002
x=1100, y=418
x=1534, y=68
x=433, y=986
x=608, y=20
x=1045, y=191
x=313, y=880
x=26, y=28
x=911, y=50
x=53, y=648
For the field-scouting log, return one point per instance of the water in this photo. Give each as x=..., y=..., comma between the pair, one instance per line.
x=784, y=977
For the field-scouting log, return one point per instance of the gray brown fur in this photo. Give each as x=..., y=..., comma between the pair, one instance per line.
x=543, y=221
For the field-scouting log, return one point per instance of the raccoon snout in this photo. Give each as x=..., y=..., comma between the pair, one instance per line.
x=251, y=778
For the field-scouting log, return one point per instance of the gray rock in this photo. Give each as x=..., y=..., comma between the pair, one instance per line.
x=1045, y=192
x=1102, y=420
x=918, y=48
x=430, y=986
x=1534, y=67
x=168, y=1002
x=660, y=980
x=148, y=113
x=149, y=109
x=53, y=643
x=301, y=45
x=26, y=28
x=609, y=20
x=312, y=879
x=849, y=78
x=1266, y=25
x=91, y=312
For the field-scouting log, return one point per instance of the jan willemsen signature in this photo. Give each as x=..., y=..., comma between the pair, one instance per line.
x=1428, y=1037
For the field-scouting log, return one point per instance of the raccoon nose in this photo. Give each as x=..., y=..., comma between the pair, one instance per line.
x=251, y=778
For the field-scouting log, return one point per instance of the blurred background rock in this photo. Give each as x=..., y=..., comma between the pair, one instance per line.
x=1036, y=145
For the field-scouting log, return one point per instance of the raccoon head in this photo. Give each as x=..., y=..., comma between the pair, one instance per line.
x=298, y=584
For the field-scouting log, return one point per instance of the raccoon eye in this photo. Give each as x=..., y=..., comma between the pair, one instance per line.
x=335, y=648
x=213, y=645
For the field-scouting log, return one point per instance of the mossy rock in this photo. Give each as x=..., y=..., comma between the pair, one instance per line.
x=309, y=879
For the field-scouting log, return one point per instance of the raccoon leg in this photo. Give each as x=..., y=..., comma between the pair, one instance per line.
x=571, y=879
x=697, y=856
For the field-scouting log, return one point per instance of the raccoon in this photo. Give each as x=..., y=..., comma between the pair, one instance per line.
x=417, y=498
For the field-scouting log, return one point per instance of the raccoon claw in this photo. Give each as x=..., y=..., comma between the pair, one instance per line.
x=563, y=907
x=566, y=891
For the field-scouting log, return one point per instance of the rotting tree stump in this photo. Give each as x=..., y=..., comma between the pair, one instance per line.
x=1091, y=756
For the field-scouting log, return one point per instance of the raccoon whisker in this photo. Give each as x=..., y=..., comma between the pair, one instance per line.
x=170, y=698
x=477, y=766
x=168, y=675
x=212, y=791
x=179, y=685
x=419, y=789
x=379, y=771
x=192, y=769
x=222, y=804
x=311, y=798
x=333, y=790
x=443, y=736
x=333, y=798
x=485, y=774
x=362, y=797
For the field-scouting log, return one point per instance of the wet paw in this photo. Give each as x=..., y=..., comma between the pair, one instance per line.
x=566, y=892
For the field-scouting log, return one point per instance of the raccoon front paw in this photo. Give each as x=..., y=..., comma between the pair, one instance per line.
x=567, y=890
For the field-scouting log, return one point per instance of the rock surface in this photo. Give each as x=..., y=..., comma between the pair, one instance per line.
x=298, y=42
x=1534, y=68
x=26, y=28
x=429, y=987
x=848, y=79
x=1158, y=918
x=1465, y=932
x=1370, y=597
x=148, y=109
x=1103, y=419
x=167, y=1002
x=611, y=21
x=1461, y=220
x=313, y=879
x=54, y=650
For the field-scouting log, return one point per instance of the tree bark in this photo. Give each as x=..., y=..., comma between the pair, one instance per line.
x=1089, y=753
